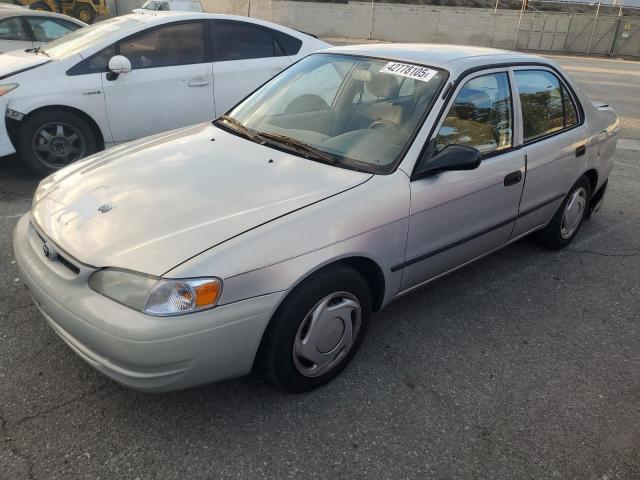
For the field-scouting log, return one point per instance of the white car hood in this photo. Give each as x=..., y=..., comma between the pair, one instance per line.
x=18, y=61
x=169, y=197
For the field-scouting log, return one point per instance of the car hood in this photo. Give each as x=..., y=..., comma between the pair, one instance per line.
x=152, y=204
x=19, y=61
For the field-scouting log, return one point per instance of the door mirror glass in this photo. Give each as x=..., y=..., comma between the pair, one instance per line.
x=119, y=64
x=451, y=157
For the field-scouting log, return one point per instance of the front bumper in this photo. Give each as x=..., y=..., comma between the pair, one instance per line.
x=138, y=350
x=6, y=146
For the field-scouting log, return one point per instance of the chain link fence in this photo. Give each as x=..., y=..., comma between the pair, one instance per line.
x=539, y=25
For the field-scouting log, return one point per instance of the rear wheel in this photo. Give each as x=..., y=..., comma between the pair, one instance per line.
x=317, y=330
x=568, y=218
x=50, y=140
x=84, y=13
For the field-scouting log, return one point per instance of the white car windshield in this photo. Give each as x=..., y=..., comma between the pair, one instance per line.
x=84, y=38
x=350, y=111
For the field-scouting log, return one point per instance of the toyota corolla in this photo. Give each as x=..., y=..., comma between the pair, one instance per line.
x=267, y=238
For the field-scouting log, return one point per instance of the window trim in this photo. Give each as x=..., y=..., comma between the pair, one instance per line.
x=572, y=96
x=450, y=88
x=452, y=100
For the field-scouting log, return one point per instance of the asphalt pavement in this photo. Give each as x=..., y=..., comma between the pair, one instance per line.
x=524, y=365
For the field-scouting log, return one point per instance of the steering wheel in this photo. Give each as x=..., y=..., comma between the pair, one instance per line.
x=377, y=124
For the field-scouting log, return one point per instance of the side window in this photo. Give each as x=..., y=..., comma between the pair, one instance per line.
x=11, y=29
x=48, y=29
x=95, y=63
x=180, y=44
x=547, y=106
x=481, y=115
x=239, y=41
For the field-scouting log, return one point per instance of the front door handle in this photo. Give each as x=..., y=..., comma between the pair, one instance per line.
x=198, y=82
x=513, y=178
x=581, y=150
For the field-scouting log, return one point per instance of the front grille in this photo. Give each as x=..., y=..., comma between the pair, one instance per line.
x=61, y=257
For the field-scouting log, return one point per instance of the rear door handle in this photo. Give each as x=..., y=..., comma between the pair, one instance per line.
x=198, y=82
x=581, y=150
x=513, y=178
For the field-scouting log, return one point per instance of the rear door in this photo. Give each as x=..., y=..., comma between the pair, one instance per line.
x=170, y=85
x=458, y=216
x=554, y=141
x=245, y=56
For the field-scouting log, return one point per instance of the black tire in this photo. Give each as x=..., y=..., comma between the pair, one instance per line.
x=40, y=6
x=44, y=162
x=552, y=235
x=84, y=13
x=277, y=354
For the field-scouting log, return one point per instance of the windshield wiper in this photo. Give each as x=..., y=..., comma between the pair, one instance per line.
x=37, y=51
x=238, y=127
x=298, y=145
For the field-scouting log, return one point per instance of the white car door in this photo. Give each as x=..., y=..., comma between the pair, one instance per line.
x=14, y=35
x=245, y=56
x=170, y=84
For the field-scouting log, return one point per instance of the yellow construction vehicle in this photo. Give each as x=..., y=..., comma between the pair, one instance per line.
x=84, y=10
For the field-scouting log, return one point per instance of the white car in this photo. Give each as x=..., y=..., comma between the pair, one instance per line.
x=22, y=28
x=132, y=76
x=170, y=5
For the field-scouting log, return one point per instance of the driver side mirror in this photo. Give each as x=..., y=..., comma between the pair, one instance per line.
x=451, y=157
x=118, y=64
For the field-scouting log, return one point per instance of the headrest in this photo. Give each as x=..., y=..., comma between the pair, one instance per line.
x=382, y=85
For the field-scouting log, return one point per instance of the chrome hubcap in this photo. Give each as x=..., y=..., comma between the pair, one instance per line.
x=573, y=212
x=327, y=334
x=58, y=144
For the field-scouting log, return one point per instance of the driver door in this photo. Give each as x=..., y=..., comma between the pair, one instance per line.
x=458, y=216
x=170, y=84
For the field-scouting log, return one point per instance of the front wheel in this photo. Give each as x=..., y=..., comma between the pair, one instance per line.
x=52, y=139
x=317, y=330
x=568, y=218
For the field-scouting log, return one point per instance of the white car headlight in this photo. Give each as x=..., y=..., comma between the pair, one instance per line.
x=6, y=88
x=155, y=295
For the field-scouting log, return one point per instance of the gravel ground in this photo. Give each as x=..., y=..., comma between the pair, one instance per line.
x=525, y=365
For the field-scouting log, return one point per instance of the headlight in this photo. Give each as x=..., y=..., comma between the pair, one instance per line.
x=155, y=295
x=4, y=89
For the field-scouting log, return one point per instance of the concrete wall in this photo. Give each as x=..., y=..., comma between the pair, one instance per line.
x=528, y=30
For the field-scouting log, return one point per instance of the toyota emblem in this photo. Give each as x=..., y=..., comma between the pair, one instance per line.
x=49, y=251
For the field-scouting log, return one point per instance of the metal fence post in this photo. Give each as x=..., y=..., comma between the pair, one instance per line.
x=593, y=30
x=515, y=43
x=614, y=40
x=371, y=21
x=493, y=23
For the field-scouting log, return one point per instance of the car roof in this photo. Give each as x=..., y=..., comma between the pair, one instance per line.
x=7, y=10
x=455, y=58
x=159, y=17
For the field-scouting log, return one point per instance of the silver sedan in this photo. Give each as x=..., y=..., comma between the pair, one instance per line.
x=267, y=238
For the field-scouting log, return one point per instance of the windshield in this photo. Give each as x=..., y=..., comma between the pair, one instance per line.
x=83, y=38
x=155, y=5
x=360, y=112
